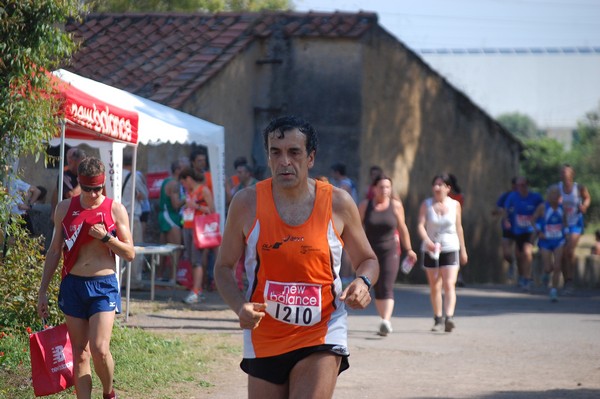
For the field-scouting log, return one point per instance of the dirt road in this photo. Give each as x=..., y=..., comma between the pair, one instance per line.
x=507, y=345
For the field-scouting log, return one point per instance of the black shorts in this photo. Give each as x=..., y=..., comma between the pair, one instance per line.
x=522, y=239
x=446, y=259
x=507, y=234
x=145, y=216
x=277, y=369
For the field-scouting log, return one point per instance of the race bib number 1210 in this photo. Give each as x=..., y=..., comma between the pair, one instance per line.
x=294, y=303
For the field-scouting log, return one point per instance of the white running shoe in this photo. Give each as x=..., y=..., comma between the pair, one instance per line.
x=191, y=298
x=385, y=328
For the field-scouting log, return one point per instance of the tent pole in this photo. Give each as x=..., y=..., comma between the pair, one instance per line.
x=62, y=160
x=132, y=179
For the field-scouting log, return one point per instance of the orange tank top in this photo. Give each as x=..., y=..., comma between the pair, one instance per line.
x=295, y=270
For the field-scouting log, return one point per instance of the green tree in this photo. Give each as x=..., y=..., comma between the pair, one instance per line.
x=586, y=142
x=187, y=5
x=521, y=126
x=541, y=162
x=584, y=157
x=33, y=42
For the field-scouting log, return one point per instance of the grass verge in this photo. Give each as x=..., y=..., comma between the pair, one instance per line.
x=148, y=365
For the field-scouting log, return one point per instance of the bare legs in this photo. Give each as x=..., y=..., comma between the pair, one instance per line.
x=314, y=377
x=569, y=260
x=508, y=253
x=91, y=339
x=385, y=307
x=524, y=261
x=438, y=279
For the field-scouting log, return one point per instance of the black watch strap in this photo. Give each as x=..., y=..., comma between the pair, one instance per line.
x=106, y=238
x=366, y=280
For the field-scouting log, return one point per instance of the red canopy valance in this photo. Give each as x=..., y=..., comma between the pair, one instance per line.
x=92, y=119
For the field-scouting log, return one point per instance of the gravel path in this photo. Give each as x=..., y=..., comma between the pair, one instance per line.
x=507, y=345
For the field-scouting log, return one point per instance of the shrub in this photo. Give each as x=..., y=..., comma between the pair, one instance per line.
x=20, y=275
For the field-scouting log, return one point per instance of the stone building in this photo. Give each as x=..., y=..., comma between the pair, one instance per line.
x=373, y=100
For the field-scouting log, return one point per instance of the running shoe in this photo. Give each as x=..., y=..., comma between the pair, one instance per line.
x=385, y=328
x=553, y=295
x=193, y=298
x=449, y=324
x=527, y=285
x=439, y=325
x=545, y=280
x=568, y=288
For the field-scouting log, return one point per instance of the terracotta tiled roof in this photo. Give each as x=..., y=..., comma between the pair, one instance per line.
x=166, y=57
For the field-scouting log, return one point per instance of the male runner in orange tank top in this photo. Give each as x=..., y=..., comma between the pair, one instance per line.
x=291, y=230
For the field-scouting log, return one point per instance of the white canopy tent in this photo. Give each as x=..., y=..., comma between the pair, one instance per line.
x=156, y=124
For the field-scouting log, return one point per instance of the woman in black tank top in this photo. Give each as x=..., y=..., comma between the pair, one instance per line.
x=384, y=224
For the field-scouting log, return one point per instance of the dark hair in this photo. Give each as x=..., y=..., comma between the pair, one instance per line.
x=176, y=165
x=248, y=168
x=191, y=172
x=200, y=151
x=127, y=159
x=283, y=124
x=597, y=234
x=454, y=183
x=90, y=166
x=239, y=161
x=339, y=167
x=445, y=178
x=381, y=177
x=77, y=154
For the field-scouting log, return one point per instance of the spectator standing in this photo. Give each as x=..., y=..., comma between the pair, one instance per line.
x=576, y=200
x=340, y=180
x=199, y=162
x=382, y=217
x=70, y=184
x=374, y=172
x=89, y=229
x=294, y=316
x=170, y=202
x=245, y=177
x=234, y=180
x=141, y=195
x=443, y=249
x=198, y=201
x=23, y=195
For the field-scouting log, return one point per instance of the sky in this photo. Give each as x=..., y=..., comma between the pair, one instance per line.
x=555, y=88
x=447, y=24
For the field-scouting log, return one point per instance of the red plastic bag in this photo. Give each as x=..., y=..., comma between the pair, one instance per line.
x=206, y=231
x=51, y=360
x=184, y=274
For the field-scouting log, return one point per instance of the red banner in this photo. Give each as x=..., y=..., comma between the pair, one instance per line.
x=154, y=182
x=87, y=113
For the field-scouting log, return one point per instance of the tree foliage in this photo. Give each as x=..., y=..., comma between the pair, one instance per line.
x=187, y=5
x=521, y=126
x=543, y=157
x=33, y=43
x=585, y=159
x=541, y=162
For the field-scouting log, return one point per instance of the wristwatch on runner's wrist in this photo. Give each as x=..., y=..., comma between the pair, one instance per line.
x=366, y=280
